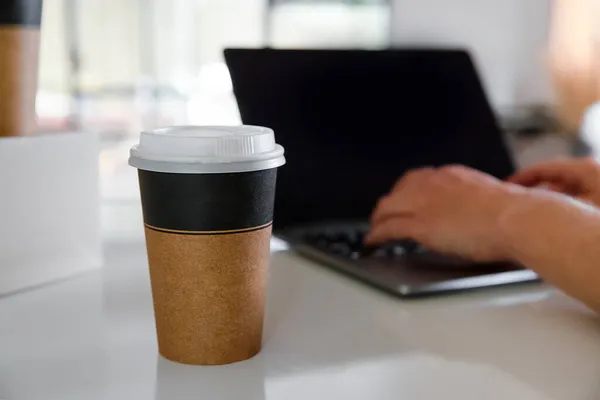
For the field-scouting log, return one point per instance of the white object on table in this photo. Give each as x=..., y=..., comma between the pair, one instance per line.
x=49, y=209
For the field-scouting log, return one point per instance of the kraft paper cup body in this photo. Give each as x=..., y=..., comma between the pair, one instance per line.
x=19, y=54
x=208, y=239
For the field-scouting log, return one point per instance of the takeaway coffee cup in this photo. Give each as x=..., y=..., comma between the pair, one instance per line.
x=19, y=52
x=207, y=197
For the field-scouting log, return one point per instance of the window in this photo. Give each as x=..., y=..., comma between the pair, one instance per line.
x=117, y=67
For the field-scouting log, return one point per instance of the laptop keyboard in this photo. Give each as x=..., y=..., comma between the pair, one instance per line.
x=350, y=244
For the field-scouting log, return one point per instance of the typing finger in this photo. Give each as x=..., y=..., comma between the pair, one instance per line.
x=562, y=172
x=392, y=229
x=398, y=206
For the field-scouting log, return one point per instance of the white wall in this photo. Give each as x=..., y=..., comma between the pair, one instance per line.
x=506, y=37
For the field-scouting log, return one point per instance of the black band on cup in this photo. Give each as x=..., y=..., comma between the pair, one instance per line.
x=203, y=204
x=21, y=12
x=212, y=233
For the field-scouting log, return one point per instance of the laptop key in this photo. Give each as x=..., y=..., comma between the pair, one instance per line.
x=393, y=249
x=340, y=248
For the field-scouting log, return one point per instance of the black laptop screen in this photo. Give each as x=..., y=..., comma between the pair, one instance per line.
x=352, y=122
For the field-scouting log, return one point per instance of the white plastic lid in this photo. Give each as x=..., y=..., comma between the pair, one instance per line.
x=207, y=149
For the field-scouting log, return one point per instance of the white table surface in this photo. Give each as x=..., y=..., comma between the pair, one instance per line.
x=326, y=337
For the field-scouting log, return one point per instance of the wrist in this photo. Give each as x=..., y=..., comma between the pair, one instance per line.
x=519, y=221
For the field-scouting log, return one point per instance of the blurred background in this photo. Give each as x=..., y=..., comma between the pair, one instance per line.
x=116, y=67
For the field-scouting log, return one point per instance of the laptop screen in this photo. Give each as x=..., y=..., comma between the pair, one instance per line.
x=353, y=121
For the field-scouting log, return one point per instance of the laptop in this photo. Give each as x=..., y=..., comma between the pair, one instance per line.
x=352, y=122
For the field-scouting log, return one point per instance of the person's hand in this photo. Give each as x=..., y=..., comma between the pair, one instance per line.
x=579, y=178
x=453, y=210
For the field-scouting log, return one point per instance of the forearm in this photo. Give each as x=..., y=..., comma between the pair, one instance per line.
x=560, y=240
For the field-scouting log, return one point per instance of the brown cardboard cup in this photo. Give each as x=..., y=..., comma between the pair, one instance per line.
x=19, y=53
x=208, y=211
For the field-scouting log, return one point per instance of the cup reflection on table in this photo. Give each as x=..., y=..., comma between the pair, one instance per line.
x=242, y=380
